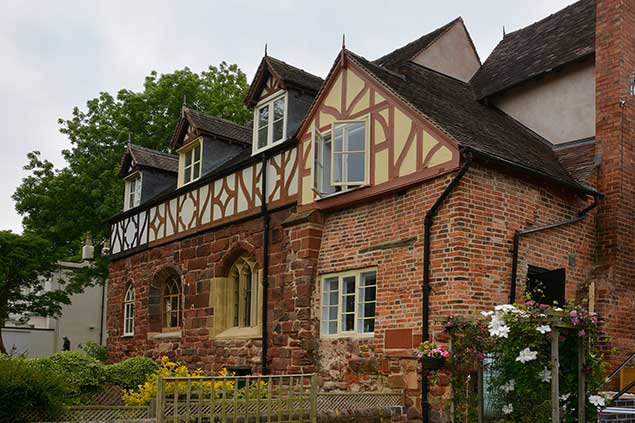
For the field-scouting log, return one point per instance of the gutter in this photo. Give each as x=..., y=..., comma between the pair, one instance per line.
x=265, y=267
x=532, y=230
x=425, y=286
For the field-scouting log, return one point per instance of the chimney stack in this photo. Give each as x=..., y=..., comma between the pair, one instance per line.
x=88, y=250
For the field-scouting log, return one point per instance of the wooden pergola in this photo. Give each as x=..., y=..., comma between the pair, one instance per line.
x=559, y=322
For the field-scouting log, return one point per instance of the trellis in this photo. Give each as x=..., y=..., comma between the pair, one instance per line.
x=559, y=323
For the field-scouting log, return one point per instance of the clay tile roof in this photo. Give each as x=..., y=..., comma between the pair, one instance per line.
x=407, y=52
x=558, y=39
x=578, y=157
x=145, y=157
x=481, y=128
x=295, y=76
x=219, y=127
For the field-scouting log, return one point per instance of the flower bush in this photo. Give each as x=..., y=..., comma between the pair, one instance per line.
x=220, y=388
x=431, y=350
x=130, y=373
x=513, y=343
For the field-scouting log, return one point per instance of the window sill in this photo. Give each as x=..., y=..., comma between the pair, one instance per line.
x=240, y=333
x=336, y=194
x=166, y=335
x=128, y=335
x=361, y=336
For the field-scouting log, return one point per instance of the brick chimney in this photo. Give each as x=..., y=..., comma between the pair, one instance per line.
x=615, y=138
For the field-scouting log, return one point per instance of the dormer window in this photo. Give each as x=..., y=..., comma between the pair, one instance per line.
x=190, y=162
x=132, y=191
x=270, y=122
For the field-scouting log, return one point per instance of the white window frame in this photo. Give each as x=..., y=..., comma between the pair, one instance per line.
x=129, y=180
x=128, y=311
x=346, y=185
x=355, y=333
x=198, y=143
x=268, y=101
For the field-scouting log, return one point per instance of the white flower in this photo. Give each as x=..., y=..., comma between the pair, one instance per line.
x=558, y=309
x=509, y=386
x=505, y=308
x=597, y=400
x=564, y=397
x=544, y=329
x=545, y=375
x=508, y=409
x=487, y=313
x=499, y=331
x=542, y=315
x=527, y=355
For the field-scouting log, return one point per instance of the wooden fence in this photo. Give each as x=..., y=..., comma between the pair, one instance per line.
x=284, y=398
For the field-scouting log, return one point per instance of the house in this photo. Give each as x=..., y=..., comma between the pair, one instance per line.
x=331, y=233
x=82, y=321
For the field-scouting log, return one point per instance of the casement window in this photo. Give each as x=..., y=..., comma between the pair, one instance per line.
x=348, y=303
x=171, y=303
x=128, y=312
x=270, y=122
x=133, y=191
x=341, y=157
x=190, y=162
x=546, y=286
x=244, y=293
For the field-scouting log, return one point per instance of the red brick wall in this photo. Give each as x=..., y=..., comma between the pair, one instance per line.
x=470, y=265
x=615, y=137
x=198, y=259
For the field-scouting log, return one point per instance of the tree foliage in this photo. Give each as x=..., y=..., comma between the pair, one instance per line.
x=61, y=205
x=24, y=261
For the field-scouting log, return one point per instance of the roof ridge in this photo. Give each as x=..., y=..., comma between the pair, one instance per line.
x=295, y=67
x=157, y=152
x=435, y=33
x=207, y=115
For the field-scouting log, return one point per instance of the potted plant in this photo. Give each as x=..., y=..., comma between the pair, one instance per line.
x=431, y=355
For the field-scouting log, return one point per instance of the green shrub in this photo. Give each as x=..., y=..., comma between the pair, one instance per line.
x=26, y=387
x=130, y=373
x=96, y=351
x=83, y=375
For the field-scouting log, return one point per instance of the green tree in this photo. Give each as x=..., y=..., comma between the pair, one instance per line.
x=24, y=261
x=61, y=205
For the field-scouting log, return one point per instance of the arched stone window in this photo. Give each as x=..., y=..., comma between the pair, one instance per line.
x=171, y=303
x=128, y=312
x=237, y=300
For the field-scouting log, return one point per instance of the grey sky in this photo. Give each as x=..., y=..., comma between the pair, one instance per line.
x=58, y=54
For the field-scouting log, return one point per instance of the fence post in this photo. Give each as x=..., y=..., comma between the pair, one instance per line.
x=160, y=400
x=152, y=408
x=314, y=388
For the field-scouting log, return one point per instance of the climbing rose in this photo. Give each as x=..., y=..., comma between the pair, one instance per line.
x=597, y=400
x=508, y=409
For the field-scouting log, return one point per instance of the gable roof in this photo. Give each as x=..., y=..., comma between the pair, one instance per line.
x=448, y=103
x=211, y=125
x=403, y=54
x=140, y=157
x=561, y=38
x=287, y=74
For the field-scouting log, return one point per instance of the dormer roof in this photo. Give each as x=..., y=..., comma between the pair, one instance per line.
x=204, y=124
x=137, y=157
x=287, y=75
x=563, y=37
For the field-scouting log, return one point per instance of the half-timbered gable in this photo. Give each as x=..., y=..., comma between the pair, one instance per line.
x=395, y=145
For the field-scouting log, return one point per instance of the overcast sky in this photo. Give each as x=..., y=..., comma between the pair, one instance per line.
x=58, y=54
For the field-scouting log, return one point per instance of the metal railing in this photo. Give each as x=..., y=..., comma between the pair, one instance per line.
x=288, y=398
